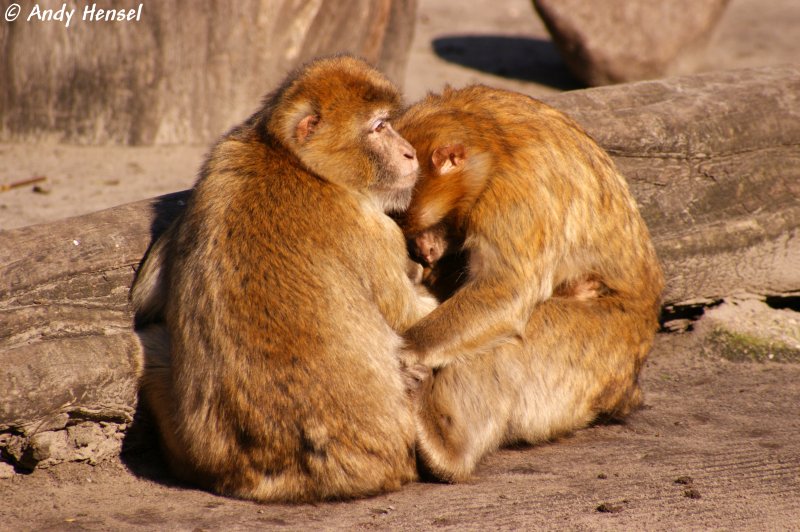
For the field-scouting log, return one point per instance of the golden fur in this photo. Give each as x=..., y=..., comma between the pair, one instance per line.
x=271, y=310
x=557, y=291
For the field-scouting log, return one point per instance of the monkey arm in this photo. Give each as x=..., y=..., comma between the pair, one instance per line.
x=397, y=291
x=508, y=275
x=477, y=318
x=405, y=304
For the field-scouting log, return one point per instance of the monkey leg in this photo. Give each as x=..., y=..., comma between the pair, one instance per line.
x=156, y=393
x=462, y=414
x=322, y=458
x=509, y=395
x=578, y=360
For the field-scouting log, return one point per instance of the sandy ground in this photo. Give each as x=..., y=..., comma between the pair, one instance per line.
x=728, y=431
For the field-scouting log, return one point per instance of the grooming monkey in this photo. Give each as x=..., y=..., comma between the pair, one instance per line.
x=271, y=310
x=553, y=282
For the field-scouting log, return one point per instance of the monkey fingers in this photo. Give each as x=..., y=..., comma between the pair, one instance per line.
x=414, y=376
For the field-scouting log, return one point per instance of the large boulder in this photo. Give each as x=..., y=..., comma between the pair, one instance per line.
x=616, y=41
x=182, y=73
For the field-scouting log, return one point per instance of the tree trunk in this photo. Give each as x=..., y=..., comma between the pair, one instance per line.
x=714, y=161
x=178, y=71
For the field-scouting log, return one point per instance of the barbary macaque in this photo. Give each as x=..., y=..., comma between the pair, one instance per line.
x=550, y=282
x=271, y=311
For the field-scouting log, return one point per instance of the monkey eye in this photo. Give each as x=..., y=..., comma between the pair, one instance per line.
x=378, y=125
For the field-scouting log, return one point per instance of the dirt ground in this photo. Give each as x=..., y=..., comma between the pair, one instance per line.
x=716, y=446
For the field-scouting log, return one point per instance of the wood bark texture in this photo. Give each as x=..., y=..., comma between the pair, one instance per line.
x=183, y=70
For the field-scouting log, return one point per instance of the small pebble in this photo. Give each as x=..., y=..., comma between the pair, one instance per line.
x=6, y=470
x=691, y=493
x=609, y=508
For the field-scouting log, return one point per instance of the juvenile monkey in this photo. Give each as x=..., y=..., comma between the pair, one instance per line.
x=270, y=311
x=553, y=282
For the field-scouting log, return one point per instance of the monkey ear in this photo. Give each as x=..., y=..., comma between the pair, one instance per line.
x=448, y=158
x=306, y=127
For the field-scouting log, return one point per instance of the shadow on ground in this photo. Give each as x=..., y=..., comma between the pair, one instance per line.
x=141, y=452
x=521, y=58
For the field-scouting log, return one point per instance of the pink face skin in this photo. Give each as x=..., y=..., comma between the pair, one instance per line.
x=431, y=245
x=395, y=166
x=398, y=169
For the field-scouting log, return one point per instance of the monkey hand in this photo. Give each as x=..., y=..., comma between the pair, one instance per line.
x=415, y=271
x=414, y=376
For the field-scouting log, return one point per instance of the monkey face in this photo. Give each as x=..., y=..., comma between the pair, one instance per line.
x=394, y=163
x=444, y=189
x=334, y=116
x=368, y=155
x=430, y=245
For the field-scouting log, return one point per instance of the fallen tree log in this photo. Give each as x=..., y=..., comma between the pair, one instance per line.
x=714, y=161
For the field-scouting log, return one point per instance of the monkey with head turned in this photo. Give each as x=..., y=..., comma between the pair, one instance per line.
x=271, y=311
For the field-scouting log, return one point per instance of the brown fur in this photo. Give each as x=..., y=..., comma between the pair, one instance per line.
x=270, y=310
x=558, y=286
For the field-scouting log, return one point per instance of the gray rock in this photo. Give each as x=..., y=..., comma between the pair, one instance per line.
x=616, y=41
x=745, y=328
